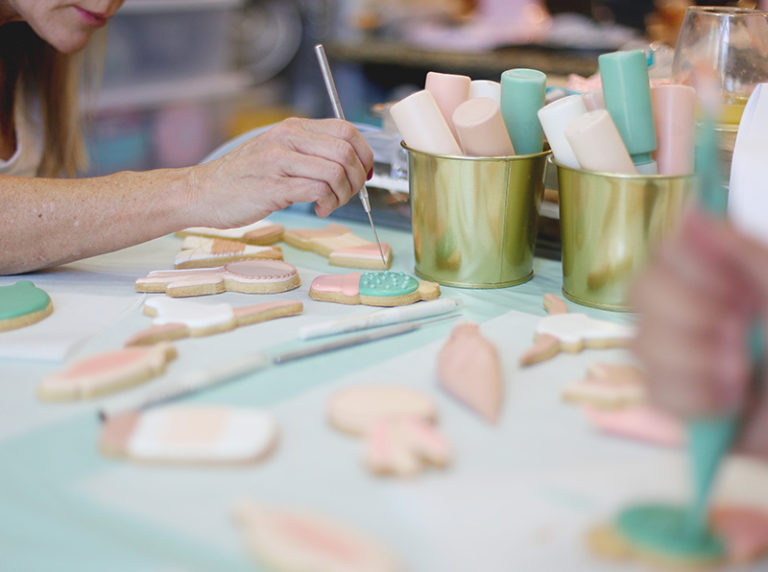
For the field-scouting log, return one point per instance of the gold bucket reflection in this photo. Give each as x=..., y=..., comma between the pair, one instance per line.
x=474, y=218
x=609, y=225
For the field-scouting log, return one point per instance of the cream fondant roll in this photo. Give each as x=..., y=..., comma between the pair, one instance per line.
x=485, y=88
x=594, y=99
x=422, y=125
x=598, y=145
x=481, y=128
x=554, y=118
x=674, y=113
x=449, y=90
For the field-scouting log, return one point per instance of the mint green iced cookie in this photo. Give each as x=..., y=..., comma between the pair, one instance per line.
x=22, y=304
x=387, y=284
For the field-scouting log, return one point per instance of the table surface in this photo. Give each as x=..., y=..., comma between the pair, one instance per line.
x=519, y=496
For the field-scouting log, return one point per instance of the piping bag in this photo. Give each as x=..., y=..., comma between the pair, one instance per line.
x=709, y=438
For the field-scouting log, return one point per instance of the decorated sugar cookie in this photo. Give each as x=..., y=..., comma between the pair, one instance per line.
x=565, y=332
x=641, y=422
x=23, y=304
x=468, y=367
x=340, y=246
x=300, y=541
x=204, y=434
x=260, y=232
x=397, y=423
x=201, y=252
x=247, y=276
x=372, y=289
x=608, y=386
x=106, y=372
x=174, y=319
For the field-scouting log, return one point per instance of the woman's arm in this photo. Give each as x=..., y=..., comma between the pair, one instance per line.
x=45, y=222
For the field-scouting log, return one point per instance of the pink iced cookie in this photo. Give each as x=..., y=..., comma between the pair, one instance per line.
x=608, y=385
x=260, y=232
x=744, y=529
x=202, y=252
x=300, y=541
x=640, y=422
x=248, y=276
x=468, y=367
x=397, y=423
x=373, y=289
x=106, y=372
x=340, y=246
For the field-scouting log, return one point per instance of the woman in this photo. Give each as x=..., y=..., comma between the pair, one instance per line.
x=46, y=221
x=697, y=304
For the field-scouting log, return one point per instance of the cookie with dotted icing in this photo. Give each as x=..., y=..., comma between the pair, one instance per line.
x=301, y=541
x=174, y=319
x=246, y=276
x=23, y=304
x=342, y=248
x=373, y=289
x=106, y=372
x=260, y=232
x=202, y=252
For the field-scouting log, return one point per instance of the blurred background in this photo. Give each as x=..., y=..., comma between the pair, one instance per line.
x=183, y=76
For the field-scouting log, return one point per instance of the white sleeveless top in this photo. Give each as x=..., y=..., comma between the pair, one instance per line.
x=29, y=144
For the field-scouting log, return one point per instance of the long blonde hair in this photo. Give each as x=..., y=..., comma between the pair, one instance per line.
x=36, y=71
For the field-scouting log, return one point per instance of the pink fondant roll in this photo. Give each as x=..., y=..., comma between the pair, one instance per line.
x=481, y=128
x=450, y=91
x=674, y=115
x=422, y=125
x=598, y=145
x=593, y=99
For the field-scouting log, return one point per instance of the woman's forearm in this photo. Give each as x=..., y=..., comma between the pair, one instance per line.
x=46, y=222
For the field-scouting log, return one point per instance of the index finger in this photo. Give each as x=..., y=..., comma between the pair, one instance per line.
x=348, y=132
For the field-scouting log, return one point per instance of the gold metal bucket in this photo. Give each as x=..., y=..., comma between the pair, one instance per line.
x=474, y=218
x=609, y=225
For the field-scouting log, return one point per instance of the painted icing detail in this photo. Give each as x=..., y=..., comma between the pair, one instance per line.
x=243, y=271
x=387, y=284
x=367, y=251
x=191, y=314
x=20, y=299
x=661, y=530
x=572, y=328
x=345, y=284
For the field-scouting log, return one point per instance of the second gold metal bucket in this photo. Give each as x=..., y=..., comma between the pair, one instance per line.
x=475, y=218
x=609, y=225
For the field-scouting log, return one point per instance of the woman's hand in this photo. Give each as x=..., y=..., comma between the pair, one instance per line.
x=697, y=303
x=324, y=161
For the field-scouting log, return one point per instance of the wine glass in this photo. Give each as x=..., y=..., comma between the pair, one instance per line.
x=727, y=47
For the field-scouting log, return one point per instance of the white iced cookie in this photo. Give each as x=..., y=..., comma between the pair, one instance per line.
x=299, y=541
x=202, y=252
x=191, y=434
x=561, y=331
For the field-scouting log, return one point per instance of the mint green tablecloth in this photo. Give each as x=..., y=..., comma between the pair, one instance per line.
x=63, y=506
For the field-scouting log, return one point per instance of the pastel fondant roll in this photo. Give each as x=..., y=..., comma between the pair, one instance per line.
x=627, y=93
x=423, y=126
x=449, y=91
x=485, y=88
x=597, y=144
x=522, y=95
x=555, y=117
x=674, y=114
x=481, y=128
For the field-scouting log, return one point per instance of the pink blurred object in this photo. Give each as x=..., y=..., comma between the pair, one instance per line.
x=449, y=91
x=495, y=23
x=638, y=422
x=182, y=135
x=674, y=113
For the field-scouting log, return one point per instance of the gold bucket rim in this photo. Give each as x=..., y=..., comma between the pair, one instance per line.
x=543, y=153
x=620, y=176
